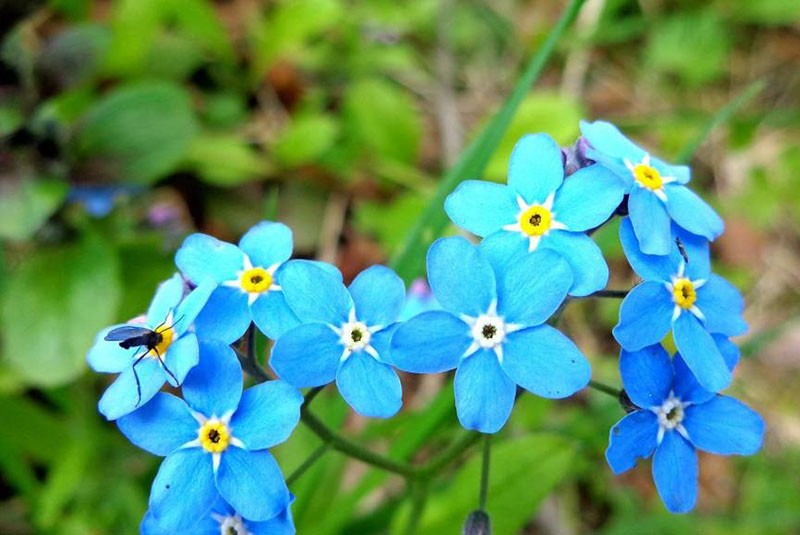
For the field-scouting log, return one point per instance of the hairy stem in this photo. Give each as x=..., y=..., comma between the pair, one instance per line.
x=611, y=294
x=610, y=390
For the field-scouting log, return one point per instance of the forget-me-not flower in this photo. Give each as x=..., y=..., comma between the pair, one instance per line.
x=657, y=191
x=143, y=370
x=677, y=417
x=686, y=298
x=216, y=442
x=540, y=210
x=492, y=332
x=344, y=337
x=224, y=520
x=249, y=278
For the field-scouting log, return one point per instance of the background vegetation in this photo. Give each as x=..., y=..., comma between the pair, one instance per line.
x=126, y=124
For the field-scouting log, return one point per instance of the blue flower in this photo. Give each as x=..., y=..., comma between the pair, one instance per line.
x=657, y=191
x=677, y=417
x=684, y=297
x=345, y=335
x=540, y=210
x=492, y=331
x=419, y=299
x=142, y=372
x=249, y=277
x=215, y=442
x=224, y=519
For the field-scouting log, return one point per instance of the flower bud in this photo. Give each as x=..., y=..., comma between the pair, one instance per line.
x=477, y=523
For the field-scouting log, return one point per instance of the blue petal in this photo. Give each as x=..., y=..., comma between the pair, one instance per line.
x=267, y=244
x=271, y=313
x=544, y=361
x=380, y=342
x=632, y=438
x=214, y=386
x=183, y=489
x=167, y=297
x=481, y=207
x=202, y=256
x=724, y=426
x=267, y=415
x=650, y=222
x=503, y=248
x=432, y=342
x=697, y=251
x=279, y=525
x=307, y=355
x=647, y=375
x=692, y=213
x=675, y=473
x=204, y=526
x=252, y=483
x=191, y=306
x=588, y=198
x=225, y=316
x=460, y=276
x=648, y=267
x=378, y=294
x=531, y=289
x=161, y=426
x=370, y=387
x=701, y=353
x=589, y=268
x=645, y=316
x=536, y=169
x=314, y=294
x=484, y=393
x=330, y=268
x=730, y=351
x=181, y=357
x=109, y=357
x=120, y=398
x=606, y=138
x=686, y=387
x=722, y=305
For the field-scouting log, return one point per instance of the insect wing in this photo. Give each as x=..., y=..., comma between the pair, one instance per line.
x=120, y=334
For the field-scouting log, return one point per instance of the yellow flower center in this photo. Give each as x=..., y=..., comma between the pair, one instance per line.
x=535, y=221
x=256, y=280
x=683, y=293
x=167, y=333
x=214, y=436
x=647, y=176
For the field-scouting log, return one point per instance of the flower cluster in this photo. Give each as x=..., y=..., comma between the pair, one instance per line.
x=491, y=318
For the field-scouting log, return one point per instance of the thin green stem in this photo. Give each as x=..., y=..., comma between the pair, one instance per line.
x=611, y=294
x=610, y=390
x=352, y=449
x=484, y=495
x=308, y=463
x=248, y=358
x=418, y=489
x=311, y=394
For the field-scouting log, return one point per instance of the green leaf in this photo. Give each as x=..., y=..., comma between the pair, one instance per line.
x=383, y=118
x=25, y=205
x=523, y=471
x=409, y=259
x=53, y=305
x=11, y=117
x=305, y=139
x=226, y=160
x=142, y=131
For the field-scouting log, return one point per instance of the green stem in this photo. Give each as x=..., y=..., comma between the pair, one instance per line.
x=612, y=294
x=721, y=117
x=610, y=390
x=315, y=455
x=487, y=444
x=419, y=495
x=352, y=449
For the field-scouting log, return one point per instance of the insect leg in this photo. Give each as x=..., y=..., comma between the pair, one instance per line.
x=164, y=365
x=136, y=377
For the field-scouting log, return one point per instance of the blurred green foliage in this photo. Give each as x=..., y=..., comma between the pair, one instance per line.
x=127, y=124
